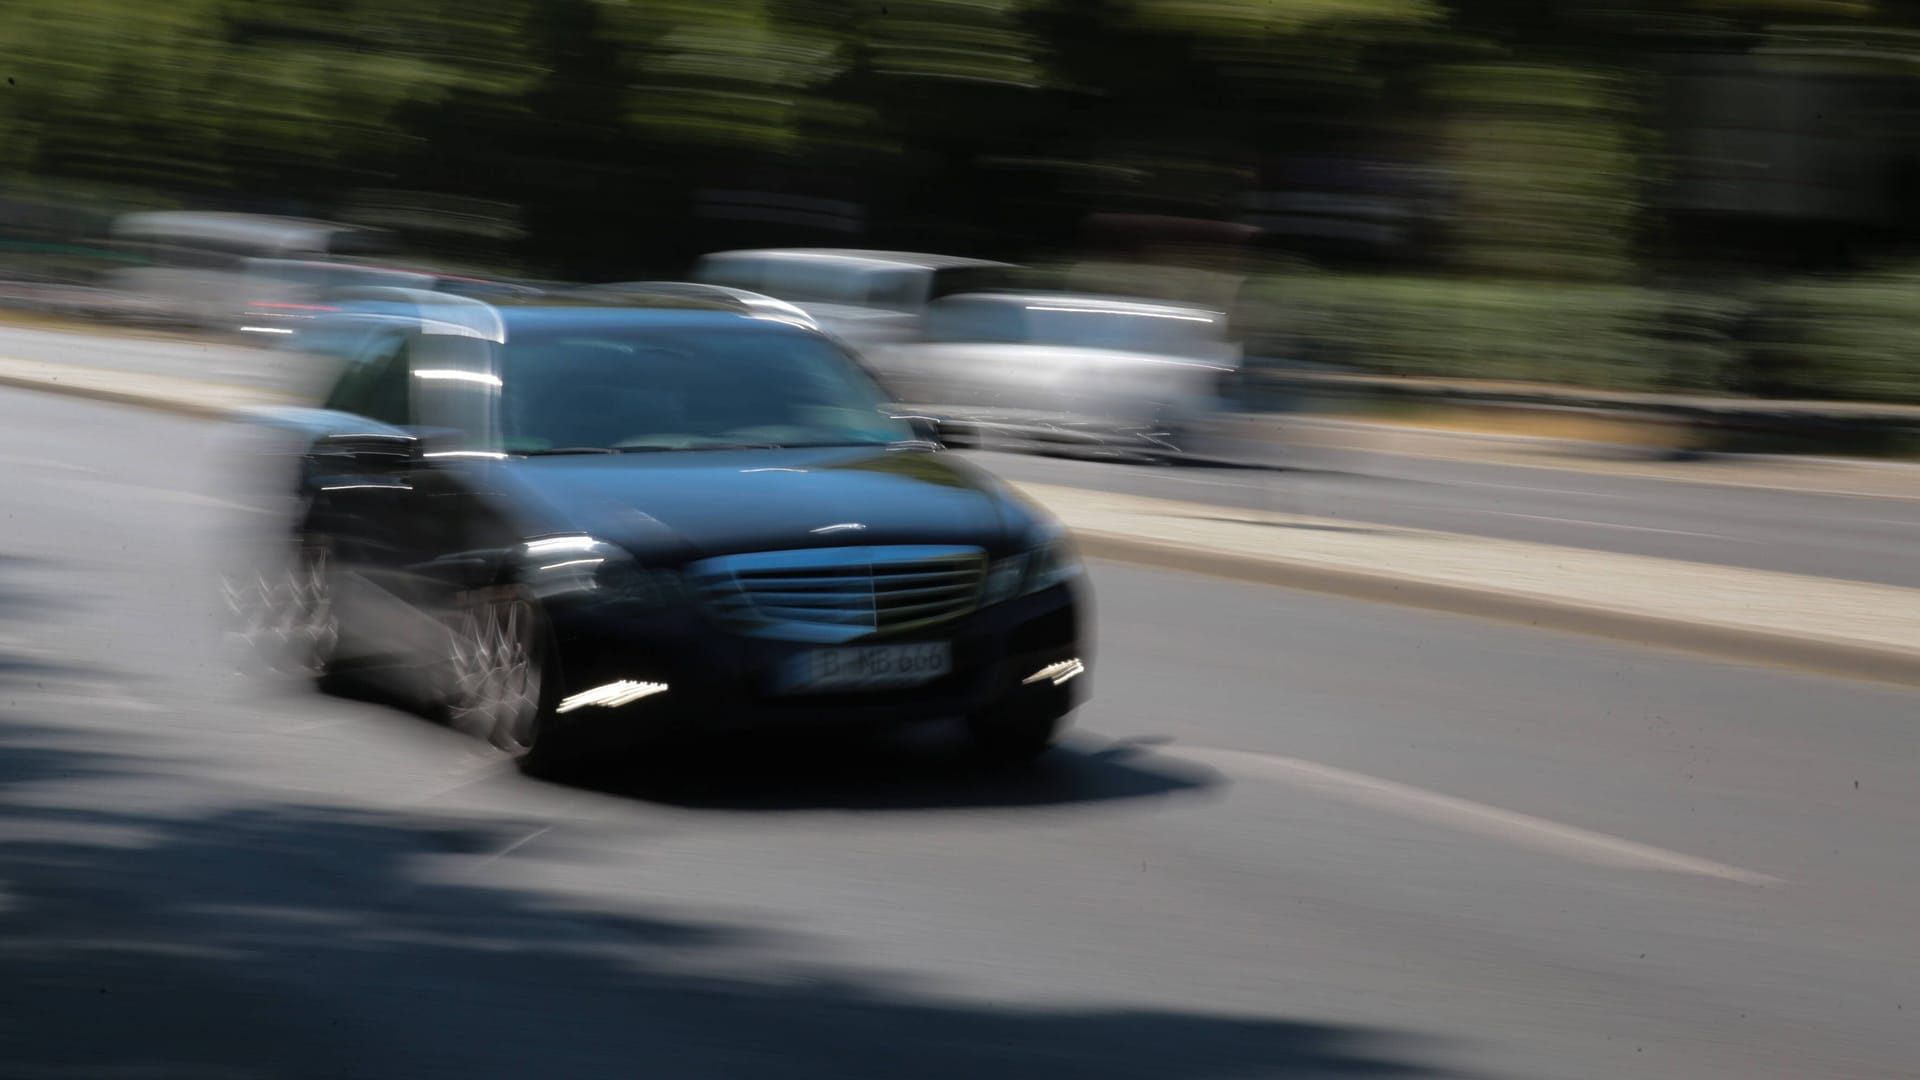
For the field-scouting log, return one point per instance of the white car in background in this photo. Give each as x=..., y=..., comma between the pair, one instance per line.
x=1072, y=372
x=867, y=299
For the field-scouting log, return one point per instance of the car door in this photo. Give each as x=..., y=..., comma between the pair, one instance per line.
x=451, y=533
x=360, y=479
x=415, y=526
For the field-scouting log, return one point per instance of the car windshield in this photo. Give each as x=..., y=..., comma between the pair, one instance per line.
x=1068, y=324
x=1075, y=325
x=687, y=391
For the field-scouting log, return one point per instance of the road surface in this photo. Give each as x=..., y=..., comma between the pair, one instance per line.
x=1292, y=837
x=1859, y=538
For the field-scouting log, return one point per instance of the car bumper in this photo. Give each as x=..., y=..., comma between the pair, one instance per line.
x=698, y=676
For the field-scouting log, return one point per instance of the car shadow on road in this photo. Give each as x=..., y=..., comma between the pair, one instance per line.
x=265, y=936
x=926, y=769
x=923, y=768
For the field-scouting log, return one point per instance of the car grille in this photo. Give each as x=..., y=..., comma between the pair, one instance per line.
x=839, y=594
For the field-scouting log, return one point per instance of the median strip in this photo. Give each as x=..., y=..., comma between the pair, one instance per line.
x=161, y=393
x=1852, y=629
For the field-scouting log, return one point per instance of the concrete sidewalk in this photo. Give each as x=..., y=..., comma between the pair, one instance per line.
x=1841, y=627
x=185, y=396
x=1323, y=439
x=1845, y=628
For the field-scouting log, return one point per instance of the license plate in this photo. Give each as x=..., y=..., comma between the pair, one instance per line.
x=869, y=667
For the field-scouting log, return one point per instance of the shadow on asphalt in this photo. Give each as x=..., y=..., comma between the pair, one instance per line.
x=919, y=770
x=268, y=938
x=925, y=768
x=782, y=772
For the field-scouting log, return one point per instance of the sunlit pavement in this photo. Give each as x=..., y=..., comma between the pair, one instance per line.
x=1855, y=523
x=1293, y=836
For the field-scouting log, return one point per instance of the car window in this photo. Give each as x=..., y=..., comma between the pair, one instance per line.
x=809, y=281
x=735, y=273
x=340, y=340
x=901, y=289
x=953, y=280
x=1080, y=326
x=974, y=321
x=376, y=385
x=688, y=390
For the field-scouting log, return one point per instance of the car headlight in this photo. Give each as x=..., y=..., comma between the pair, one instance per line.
x=570, y=565
x=1052, y=563
x=1048, y=563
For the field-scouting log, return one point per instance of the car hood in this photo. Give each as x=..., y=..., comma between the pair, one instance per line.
x=688, y=505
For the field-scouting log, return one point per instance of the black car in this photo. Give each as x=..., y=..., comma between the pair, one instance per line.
x=568, y=524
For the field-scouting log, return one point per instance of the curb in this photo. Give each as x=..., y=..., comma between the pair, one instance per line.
x=1823, y=656
x=1818, y=655
x=149, y=402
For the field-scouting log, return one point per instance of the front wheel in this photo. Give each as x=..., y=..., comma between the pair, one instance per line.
x=280, y=607
x=498, y=663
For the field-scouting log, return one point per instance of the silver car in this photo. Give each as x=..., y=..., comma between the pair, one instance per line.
x=867, y=299
x=1111, y=376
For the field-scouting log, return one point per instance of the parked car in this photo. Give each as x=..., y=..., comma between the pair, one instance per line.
x=687, y=294
x=1074, y=372
x=866, y=298
x=197, y=266
x=567, y=524
x=278, y=296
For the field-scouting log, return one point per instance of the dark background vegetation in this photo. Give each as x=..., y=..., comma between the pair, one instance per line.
x=1692, y=194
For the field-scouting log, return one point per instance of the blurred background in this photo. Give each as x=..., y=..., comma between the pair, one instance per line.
x=1529, y=725
x=1701, y=195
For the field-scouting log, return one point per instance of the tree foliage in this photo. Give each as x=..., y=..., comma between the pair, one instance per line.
x=1007, y=111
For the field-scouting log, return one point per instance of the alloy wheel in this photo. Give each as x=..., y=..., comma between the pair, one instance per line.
x=283, y=610
x=495, y=670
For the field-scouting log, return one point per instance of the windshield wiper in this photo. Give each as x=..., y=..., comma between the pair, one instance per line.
x=570, y=450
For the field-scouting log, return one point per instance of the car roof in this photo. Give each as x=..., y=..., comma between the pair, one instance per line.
x=1090, y=302
x=232, y=226
x=918, y=260
x=534, y=320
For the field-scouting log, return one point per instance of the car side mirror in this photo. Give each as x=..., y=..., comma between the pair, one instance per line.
x=925, y=429
x=371, y=449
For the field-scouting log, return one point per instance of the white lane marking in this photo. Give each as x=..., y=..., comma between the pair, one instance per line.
x=122, y=701
x=46, y=463
x=1614, y=525
x=20, y=646
x=1444, y=482
x=483, y=768
x=1549, y=836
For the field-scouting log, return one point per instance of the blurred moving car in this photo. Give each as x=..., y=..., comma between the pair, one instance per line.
x=1072, y=372
x=681, y=293
x=867, y=299
x=276, y=296
x=563, y=523
x=262, y=274
x=195, y=264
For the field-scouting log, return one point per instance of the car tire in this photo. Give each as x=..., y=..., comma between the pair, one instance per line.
x=313, y=647
x=500, y=676
x=281, y=607
x=1013, y=735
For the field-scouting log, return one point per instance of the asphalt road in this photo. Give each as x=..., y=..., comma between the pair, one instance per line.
x=1292, y=837
x=1859, y=538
